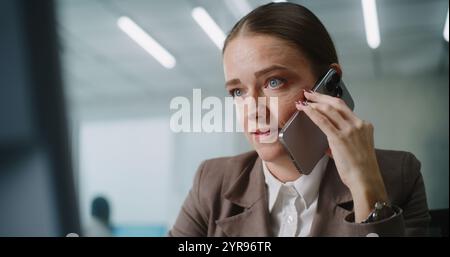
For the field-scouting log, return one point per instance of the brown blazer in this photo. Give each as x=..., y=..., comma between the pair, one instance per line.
x=229, y=198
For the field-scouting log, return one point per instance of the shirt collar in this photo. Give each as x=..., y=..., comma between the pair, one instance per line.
x=307, y=186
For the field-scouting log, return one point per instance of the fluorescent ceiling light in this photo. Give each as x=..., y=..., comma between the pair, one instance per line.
x=279, y=1
x=146, y=41
x=371, y=23
x=208, y=25
x=446, y=28
x=238, y=8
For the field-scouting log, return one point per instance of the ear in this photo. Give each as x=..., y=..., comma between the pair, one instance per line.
x=336, y=67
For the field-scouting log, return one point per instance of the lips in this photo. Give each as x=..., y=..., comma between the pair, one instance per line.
x=262, y=132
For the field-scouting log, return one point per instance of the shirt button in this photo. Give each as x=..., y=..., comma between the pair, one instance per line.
x=290, y=219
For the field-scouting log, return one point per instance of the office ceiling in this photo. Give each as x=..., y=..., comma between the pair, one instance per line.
x=101, y=64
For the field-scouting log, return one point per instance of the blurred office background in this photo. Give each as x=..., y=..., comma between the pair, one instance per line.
x=118, y=96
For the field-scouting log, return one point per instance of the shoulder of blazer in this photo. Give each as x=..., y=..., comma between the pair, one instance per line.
x=218, y=174
x=400, y=170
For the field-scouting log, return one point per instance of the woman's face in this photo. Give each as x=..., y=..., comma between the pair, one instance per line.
x=265, y=66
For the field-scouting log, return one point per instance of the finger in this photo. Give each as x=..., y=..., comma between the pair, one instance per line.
x=332, y=114
x=338, y=103
x=320, y=120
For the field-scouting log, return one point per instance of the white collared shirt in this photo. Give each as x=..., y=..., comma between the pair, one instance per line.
x=292, y=205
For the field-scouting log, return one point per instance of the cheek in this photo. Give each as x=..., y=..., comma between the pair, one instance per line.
x=286, y=106
x=286, y=110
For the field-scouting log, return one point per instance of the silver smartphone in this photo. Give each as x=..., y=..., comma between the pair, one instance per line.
x=303, y=140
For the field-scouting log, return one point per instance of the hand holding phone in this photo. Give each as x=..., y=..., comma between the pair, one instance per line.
x=302, y=139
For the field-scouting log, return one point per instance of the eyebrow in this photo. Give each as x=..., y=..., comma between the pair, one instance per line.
x=269, y=69
x=257, y=74
x=232, y=82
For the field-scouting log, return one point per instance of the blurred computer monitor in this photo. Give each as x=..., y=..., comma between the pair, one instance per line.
x=37, y=193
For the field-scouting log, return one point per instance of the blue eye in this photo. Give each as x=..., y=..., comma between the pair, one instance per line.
x=275, y=83
x=236, y=92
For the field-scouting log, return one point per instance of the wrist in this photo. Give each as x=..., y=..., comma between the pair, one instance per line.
x=365, y=195
x=367, y=182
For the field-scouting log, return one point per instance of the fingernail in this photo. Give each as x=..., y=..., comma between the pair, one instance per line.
x=299, y=105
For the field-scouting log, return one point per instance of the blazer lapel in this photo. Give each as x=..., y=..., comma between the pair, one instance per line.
x=334, y=203
x=250, y=193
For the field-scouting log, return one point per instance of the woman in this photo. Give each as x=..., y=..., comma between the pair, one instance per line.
x=281, y=50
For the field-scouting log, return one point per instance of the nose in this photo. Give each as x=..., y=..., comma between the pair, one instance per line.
x=258, y=112
x=255, y=92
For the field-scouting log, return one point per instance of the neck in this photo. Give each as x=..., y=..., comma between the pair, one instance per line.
x=283, y=169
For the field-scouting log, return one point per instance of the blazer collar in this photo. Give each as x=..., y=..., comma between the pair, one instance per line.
x=250, y=192
x=332, y=182
x=249, y=187
x=334, y=204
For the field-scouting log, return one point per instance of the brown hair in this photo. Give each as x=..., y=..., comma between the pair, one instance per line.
x=295, y=24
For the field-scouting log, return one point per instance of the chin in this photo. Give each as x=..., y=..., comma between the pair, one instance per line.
x=269, y=152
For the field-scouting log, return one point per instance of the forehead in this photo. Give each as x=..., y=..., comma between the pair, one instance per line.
x=250, y=53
